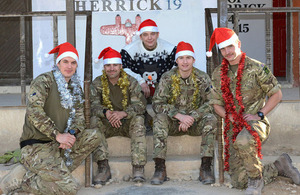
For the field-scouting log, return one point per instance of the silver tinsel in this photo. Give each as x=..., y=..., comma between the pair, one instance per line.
x=68, y=101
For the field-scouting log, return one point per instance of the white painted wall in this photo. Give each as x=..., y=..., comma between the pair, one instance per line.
x=178, y=20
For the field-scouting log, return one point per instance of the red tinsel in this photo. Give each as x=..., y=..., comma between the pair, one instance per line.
x=239, y=121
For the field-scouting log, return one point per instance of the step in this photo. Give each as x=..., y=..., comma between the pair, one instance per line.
x=180, y=168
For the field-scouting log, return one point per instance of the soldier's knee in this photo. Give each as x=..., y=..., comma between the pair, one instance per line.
x=243, y=141
x=138, y=120
x=94, y=136
x=161, y=117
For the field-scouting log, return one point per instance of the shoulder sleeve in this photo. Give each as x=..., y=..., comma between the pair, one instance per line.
x=96, y=98
x=267, y=80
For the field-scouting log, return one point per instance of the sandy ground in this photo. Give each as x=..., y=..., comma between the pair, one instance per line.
x=281, y=186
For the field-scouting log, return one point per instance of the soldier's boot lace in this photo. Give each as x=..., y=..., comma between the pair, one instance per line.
x=138, y=173
x=104, y=174
x=206, y=174
x=160, y=174
x=285, y=168
x=255, y=186
x=12, y=180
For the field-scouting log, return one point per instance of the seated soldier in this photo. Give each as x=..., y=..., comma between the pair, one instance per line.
x=181, y=104
x=117, y=110
x=54, y=140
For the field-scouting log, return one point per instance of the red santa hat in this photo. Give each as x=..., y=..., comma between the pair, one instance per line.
x=110, y=56
x=147, y=25
x=183, y=49
x=222, y=37
x=65, y=50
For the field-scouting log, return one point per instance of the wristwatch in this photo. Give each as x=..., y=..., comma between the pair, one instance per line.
x=104, y=111
x=261, y=115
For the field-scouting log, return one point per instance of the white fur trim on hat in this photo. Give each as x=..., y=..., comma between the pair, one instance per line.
x=184, y=53
x=67, y=54
x=208, y=53
x=148, y=28
x=230, y=41
x=112, y=61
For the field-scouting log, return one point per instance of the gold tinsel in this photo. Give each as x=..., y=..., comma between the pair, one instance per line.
x=176, y=88
x=122, y=82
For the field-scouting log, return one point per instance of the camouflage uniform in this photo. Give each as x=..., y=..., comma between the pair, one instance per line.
x=45, y=162
x=257, y=83
x=132, y=125
x=164, y=124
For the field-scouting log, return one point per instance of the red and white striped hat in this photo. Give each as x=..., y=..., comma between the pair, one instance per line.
x=65, y=50
x=183, y=49
x=147, y=25
x=222, y=37
x=110, y=56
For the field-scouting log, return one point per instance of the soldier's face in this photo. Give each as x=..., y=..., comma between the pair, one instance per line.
x=149, y=39
x=232, y=53
x=67, y=67
x=185, y=63
x=112, y=70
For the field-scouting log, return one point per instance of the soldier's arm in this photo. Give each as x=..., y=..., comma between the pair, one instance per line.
x=95, y=97
x=135, y=104
x=38, y=93
x=270, y=85
x=161, y=96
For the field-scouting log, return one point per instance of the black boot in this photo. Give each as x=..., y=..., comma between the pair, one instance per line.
x=285, y=168
x=104, y=172
x=206, y=175
x=160, y=174
x=138, y=173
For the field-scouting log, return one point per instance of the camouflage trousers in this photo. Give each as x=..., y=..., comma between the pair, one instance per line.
x=132, y=128
x=244, y=162
x=164, y=126
x=47, y=172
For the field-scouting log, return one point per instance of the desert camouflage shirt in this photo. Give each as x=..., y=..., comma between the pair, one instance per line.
x=44, y=112
x=183, y=104
x=257, y=83
x=135, y=104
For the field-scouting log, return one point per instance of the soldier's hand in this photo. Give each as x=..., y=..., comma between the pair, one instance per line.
x=115, y=118
x=251, y=117
x=186, y=119
x=146, y=89
x=183, y=127
x=65, y=139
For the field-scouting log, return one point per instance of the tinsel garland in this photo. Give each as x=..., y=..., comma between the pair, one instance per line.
x=68, y=100
x=239, y=122
x=123, y=82
x=176, y=88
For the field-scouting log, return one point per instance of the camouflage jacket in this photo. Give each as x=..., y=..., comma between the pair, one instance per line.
x=183, y=104
x=44, y=112
x=257, y=83
x=136, y=105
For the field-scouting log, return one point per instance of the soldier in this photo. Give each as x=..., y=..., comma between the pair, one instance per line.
x=182, y=108
x=117, y=110
x=146, y=59
x=240, y=86
x=54, y=140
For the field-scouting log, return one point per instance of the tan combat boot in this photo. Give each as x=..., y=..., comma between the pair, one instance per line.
x=285, y=168
x=160, y=174
x=12, y=180
x=255, y=186
x=138, y=173
x=104, y=172
x=206, y=174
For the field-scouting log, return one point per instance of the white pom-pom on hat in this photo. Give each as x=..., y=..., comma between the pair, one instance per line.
x=46, y=55
x=208, y=53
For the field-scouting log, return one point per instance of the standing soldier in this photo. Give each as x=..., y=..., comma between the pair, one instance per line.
x=147, y=58
x=117, y=110
x=54, y=140
x=181, y=104
x=240, y=86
